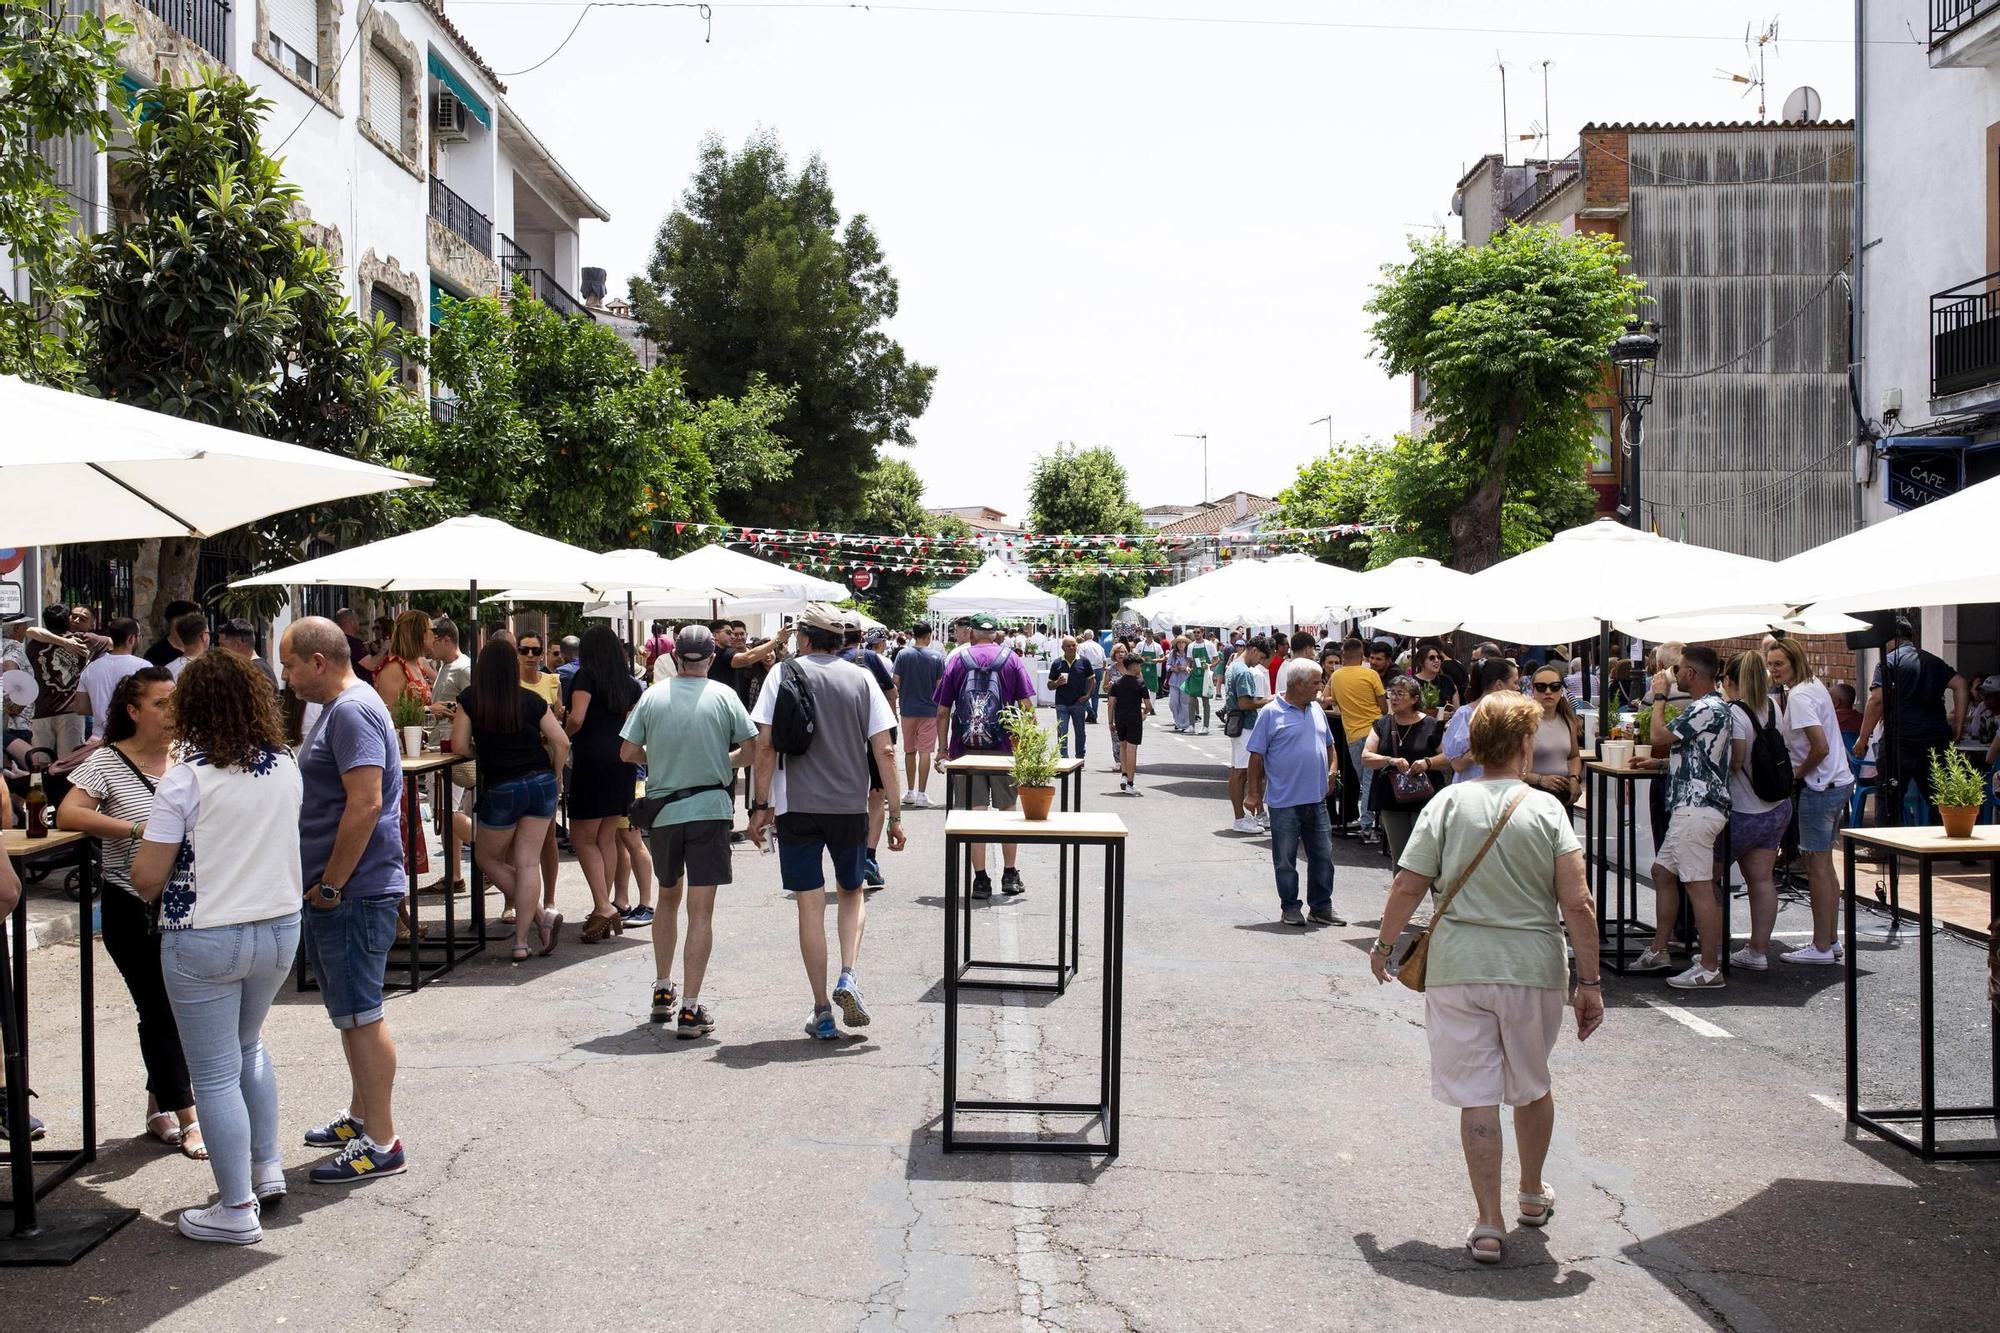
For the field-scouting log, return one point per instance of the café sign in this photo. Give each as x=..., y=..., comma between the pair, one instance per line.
x=1916, y=477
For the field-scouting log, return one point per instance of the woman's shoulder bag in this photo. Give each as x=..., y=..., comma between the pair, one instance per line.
x=1411, y=973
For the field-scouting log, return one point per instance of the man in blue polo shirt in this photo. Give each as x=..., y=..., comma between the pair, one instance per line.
x=1292, y=755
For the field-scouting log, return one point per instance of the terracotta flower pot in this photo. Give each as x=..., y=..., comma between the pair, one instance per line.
x=1959, y=819
x=1035, y=802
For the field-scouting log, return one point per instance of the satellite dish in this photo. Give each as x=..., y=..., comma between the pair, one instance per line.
x=1457, y=202
x=1802, y=106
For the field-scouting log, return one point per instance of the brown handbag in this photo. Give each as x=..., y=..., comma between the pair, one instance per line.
x=1411, y=973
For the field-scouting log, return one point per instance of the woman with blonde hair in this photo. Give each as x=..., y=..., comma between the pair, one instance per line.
x=1496, y=974
x=1825, y=783
x=1756, y=824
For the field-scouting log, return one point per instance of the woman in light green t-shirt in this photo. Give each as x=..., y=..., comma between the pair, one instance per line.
x=1507, y=862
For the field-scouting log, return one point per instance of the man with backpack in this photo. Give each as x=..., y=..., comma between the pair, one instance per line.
x=820, y=720
x=1697, y=743
x=980, y=683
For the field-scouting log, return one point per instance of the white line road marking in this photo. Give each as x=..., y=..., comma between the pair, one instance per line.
x=1832, y=1104
x=1693, y=1021
x=1036, y=1272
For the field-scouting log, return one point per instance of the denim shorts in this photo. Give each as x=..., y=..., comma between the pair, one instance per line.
x=347, y=947
x=506, y=804
x=1820, y=815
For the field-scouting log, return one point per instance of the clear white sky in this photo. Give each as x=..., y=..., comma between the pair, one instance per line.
x=1113, y=229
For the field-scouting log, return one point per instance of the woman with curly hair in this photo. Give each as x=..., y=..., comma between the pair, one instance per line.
x=230, y=896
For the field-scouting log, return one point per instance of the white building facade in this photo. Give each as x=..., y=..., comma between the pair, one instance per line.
x=1927, y=298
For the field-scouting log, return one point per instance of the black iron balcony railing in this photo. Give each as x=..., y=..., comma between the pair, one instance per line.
x=460, y=218
x=547, y=290
x=203, y=22
x=1948, y=16
x=1965, y=336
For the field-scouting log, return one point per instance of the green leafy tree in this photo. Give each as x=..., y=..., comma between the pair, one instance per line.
x=555, y=427
x=1337, y=488
x=755, y=275
x=892, y=503
x=55, y=69
x=1510, y=339
x=1074, y=490
x=209, y=302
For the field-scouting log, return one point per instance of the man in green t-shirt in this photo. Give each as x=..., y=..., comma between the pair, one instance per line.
x=688, y=731
x=1201, y=662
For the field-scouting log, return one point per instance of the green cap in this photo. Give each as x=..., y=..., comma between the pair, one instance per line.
x=985, y=621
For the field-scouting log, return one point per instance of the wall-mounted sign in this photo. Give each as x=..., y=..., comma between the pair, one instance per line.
x=1914, y=478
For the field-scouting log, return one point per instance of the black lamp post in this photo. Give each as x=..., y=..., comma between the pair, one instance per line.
x=1636, y=354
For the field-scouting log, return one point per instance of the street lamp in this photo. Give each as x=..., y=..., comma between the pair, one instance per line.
x=1203, y=437
x=1636, y=354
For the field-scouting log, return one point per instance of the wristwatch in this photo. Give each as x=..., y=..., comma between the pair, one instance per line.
x=325, y=893
x=1383, y=947
x=760, y=805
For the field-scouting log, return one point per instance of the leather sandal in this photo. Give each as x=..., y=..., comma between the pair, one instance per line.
x=196, y=1151
x=169, y=1133
x=1479, y=1233
x=1546, y=1201
x=548, y=928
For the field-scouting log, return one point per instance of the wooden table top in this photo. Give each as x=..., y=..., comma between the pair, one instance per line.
x=433, y=760
x=1984, y=842
x=16, y=842
x=1001, y=825
x=1003, y=763
x=1629, y=771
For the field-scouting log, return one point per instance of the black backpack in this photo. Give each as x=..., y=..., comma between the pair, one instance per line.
x=1770, y=766
x=794, y=719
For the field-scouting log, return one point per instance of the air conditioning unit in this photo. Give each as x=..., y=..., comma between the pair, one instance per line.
x=448, y=117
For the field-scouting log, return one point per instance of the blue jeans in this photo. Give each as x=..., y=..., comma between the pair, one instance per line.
x=1362, y=785
x=1291, y=826
x=221, y=980
x=1071, y=717
x=1090, y=706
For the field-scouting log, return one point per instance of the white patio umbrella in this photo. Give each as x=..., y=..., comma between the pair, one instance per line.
x=1284, y=590
x=457, y=553
x=737, y=575
x=80, y=469
x=1944, y=554
x=1707, y=626
x=1413, y=578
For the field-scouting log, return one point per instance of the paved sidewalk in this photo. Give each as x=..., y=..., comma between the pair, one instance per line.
x=1284, y=1165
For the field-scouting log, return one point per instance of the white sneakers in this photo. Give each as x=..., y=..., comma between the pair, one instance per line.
x=222, y=1224
x=918, y=799
x=1749, y=959
x=1698, y=978
x=1808, y=954
x=1651, y=960
x=1246, y=825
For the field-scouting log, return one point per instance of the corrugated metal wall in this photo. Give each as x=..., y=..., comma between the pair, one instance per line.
x=1734, y=234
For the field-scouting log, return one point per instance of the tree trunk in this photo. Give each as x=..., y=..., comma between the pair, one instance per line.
x=146, y=601
x=179, y=558
x=1475, y=528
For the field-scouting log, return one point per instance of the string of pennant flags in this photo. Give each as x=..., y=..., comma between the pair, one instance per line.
x=1059, y=541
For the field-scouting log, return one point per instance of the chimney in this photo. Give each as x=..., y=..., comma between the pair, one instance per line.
x=1242, y=504
x=593, y=287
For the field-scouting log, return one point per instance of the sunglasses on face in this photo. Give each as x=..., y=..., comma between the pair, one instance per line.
x=1548, y=687
x=526, y=651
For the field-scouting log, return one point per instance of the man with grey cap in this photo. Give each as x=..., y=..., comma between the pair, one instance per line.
x=689, y=732
x=817, y=798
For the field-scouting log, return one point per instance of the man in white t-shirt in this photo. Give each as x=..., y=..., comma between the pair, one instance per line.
x=101, y=677
x=1088, y=648
x=1246, y=689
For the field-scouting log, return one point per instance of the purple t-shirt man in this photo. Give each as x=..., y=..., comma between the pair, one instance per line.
x=354, y=732
x=1015, y=684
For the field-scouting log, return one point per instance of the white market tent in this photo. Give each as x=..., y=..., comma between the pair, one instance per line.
x=1000, y=589
x=80, y=469
x=716, y=576
x=1943, y=554
x=1284, y=590
x=457, y=553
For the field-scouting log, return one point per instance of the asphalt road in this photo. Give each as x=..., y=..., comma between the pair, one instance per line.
x=1283, y=1164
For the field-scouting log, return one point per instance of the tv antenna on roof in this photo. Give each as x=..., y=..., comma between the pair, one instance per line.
x=1756, y=45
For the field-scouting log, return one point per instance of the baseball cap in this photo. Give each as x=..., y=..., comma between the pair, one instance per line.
x=818, y=615
x=876, y=636
x=694, y=643
x=985, y=621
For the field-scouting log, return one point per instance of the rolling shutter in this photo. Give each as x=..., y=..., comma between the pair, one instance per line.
x=382, y=90
x=296, y=24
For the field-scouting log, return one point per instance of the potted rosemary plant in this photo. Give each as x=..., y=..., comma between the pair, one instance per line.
x=1958, y=789
x=1034, y=761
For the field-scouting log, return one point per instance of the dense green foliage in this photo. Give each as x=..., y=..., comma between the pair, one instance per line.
x=1510, y=340
x=1076, y=490
x=755, y=275
x=892, y=502
x=55, y=69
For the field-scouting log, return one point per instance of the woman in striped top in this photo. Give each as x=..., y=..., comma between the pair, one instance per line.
x=111, y=798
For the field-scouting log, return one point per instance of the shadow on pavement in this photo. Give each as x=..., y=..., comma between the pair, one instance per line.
x=927, y=1160
x=790, y=1051
x=1527, y=1273
x=971, y=995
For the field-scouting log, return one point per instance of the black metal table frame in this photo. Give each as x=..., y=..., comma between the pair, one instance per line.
x=1069, y=789
x=1616, y=933
x=33, y=1239
x=456, y=948
x=1884, y=1121
x=1110, y=1036
x=1069, y=908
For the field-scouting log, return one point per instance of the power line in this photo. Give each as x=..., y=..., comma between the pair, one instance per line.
x=707, y=14
x=312, y=100
x=1658, y=508
x=1217, y=20
x=1790, y=320
x=1657, y=174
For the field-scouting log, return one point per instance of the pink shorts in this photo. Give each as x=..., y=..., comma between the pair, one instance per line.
x=919, y=734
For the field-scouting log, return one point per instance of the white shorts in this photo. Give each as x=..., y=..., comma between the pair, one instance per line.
x=1688, y=852
x=1239, y=748
x=1490, y=1043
